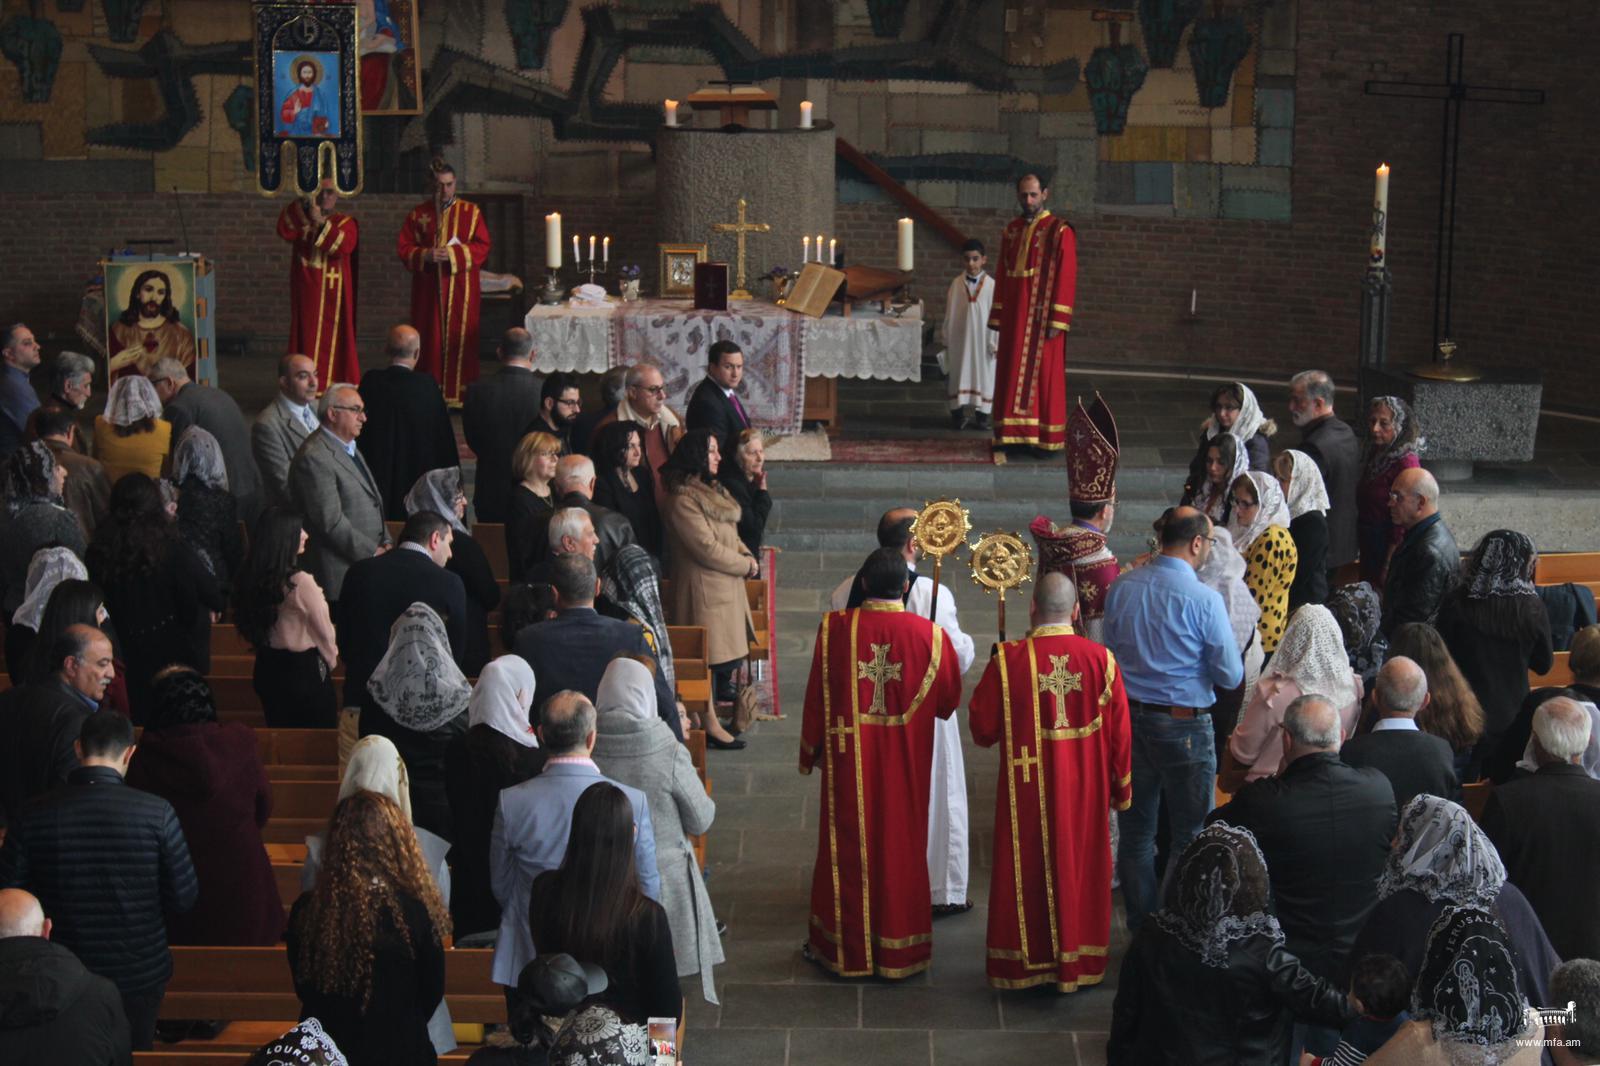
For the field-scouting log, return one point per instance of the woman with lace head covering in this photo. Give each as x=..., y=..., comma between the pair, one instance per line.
x=1497, y=631
x=1236, y=413
x=1221, y=460
x=417, y=697
x=1207, y=979
x=1310, y=660
x=304, y=1045
x=441, y=492
x=1442, y=859
x=634, y=747
x=1307, y=498
x=131, y=435
x=32, y=518
x=1259, y=522
x=48, y=568
x=208, y=514
x=1468, y=1007
x=497, y=751
x=1394, y=441
x=1223, y=572
x=1359, y=614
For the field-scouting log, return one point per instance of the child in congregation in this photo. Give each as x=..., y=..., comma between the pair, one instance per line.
x=1383, y=987
x=968, y=358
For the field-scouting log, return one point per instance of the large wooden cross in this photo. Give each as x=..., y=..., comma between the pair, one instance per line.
x=877, y=670
x=739, y=229
x=1027, y=762
x=1058, y=682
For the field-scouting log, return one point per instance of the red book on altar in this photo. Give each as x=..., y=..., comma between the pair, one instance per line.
x=711, y=286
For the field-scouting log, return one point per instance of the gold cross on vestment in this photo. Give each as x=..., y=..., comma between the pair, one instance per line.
x=843, y=732
x=1027, y=762
x=1058, y=682
x=740, y=228
x=877, y=670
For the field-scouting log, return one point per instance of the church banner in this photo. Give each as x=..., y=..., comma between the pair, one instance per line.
x=160, y=308
x=308, y=113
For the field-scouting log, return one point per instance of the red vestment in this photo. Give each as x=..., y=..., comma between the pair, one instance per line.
x=445, y=296
x=1035, y=279
x=1066, y=763
x=322, y=293
x=879, y=677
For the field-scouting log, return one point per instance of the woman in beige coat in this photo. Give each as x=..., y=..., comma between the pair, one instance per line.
x=709, y=563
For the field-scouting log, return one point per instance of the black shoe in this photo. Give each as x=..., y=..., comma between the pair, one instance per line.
x=944, y=910
x=725, y=745
x=958, y=418
x=1041, y=453
x=980, y=420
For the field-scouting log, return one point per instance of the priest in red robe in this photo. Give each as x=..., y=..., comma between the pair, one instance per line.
x=444, y=243
x=322, y=286
x=1054, y=702
x=879, y=678
x=1036, y=276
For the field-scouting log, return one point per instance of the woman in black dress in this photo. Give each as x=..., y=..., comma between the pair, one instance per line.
x=532, y=502
x=744, y=475
x=1308, y=502
x=441, y=492
x=208, y=515
x=281, y=611
x=623, y=482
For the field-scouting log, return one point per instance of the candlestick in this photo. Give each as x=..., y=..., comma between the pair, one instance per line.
x=1194, y=300
x=552, y=241
x=906, y=259
x=605, y=246
x=805, y=114
x=1378, y=253
x=576, y=258
x=672, y=112
x=833, y=252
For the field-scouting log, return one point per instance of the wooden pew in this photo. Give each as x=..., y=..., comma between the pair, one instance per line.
x=1560, y=674
x=1475, y=796
x=1582, y=568
x=299, y=809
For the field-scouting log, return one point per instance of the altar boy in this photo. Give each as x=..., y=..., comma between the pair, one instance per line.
x=969, y=343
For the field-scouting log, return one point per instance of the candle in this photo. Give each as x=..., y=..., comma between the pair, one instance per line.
x=833, y=252
x=552, y=241
x=1194, y=300
x=576, y=258
x=605, y=247
x=805, y=114
x=805, y=249
x=906, y=259
x=1380, y=219
x=819, y=247
x=672, y=112
x=591, y=249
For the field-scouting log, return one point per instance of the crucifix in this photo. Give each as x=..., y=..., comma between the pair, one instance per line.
x=843, y=732
x=877, y=670
x=1027, y=763
x=740, y=228
x=1454, y=91
x=1058, y=682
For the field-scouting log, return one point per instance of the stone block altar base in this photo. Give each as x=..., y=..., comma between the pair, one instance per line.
x=1492, y=419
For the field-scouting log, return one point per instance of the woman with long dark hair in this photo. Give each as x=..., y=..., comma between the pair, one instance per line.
x=75, y=603
x=157, y=589
x=280, y=609
x=592, y=909
x=366, y=944
x=441, y=492
x=1453, y=712
x=31, y=517
x=623, y=481
x=1220, y=462
x=208, y=515
x=1394, y=440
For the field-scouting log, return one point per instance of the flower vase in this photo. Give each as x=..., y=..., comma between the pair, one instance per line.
x=630, y=290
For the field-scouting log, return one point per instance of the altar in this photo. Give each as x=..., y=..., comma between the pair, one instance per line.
x=791, y=361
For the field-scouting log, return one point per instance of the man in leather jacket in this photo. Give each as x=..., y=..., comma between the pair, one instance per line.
x=574, y=487
x=1426, y=561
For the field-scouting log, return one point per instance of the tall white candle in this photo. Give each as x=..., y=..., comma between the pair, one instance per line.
x=672, y=112
x=591, y=249
x=605, y=251
x=1380, y=219
x=576, y=258
x=1194, y=301
x=805, y=249
x=805, y=114
x=552, y=241
x=906, y=259
x=833, y=251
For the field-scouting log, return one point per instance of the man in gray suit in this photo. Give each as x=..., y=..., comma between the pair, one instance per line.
x=333, y=488
x=283, y=426
x=187, y=404
x=532, y=821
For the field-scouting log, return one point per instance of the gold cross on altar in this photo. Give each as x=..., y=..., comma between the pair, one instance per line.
x=740, y=228
x=843, y=732
x=877, y=670
x=1058, y=682
x=1027, y=762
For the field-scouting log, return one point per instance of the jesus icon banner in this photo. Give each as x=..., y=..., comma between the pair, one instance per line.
x=306, y=91
x=308, y=118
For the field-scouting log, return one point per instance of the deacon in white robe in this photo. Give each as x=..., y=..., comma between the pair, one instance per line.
x=968, y=358
x=947, y=806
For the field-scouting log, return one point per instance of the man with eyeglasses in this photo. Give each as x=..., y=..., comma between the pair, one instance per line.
x=1171, y=637
x=332, y=486
x=1426, y=559
x=560, y=404
x=408, y=430
x=645, y=402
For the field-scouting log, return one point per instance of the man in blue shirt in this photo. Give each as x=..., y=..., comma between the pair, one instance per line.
x=1171, y=636
x=19, y=354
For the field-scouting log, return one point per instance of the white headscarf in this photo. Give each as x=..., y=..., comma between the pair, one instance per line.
x=1306, y=490
x=503, y=697
x=48, y=568
x=199, y=455
x=437, y=491
x=1215, y=503
x=1223, y=572
x=1312, y=654
x=1250, y=421
x=628, y=687
x=1273, y=511
x=376, y=766
x=1442, y=853
x=132, y=398
x=418, y=683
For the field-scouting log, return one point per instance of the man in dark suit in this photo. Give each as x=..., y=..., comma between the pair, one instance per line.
x=715, y=405
x=1324, y=828
x=283, y=425
x=560, y=405
x=378, y=590
x=1414, y=762
x=495, y=417
x=572, y=650
x=408, y=426
x=1332, y=445
x=39, y=722
x=1546, y=827
x=214, y=411
x=573, y=486
x=1426, y=560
